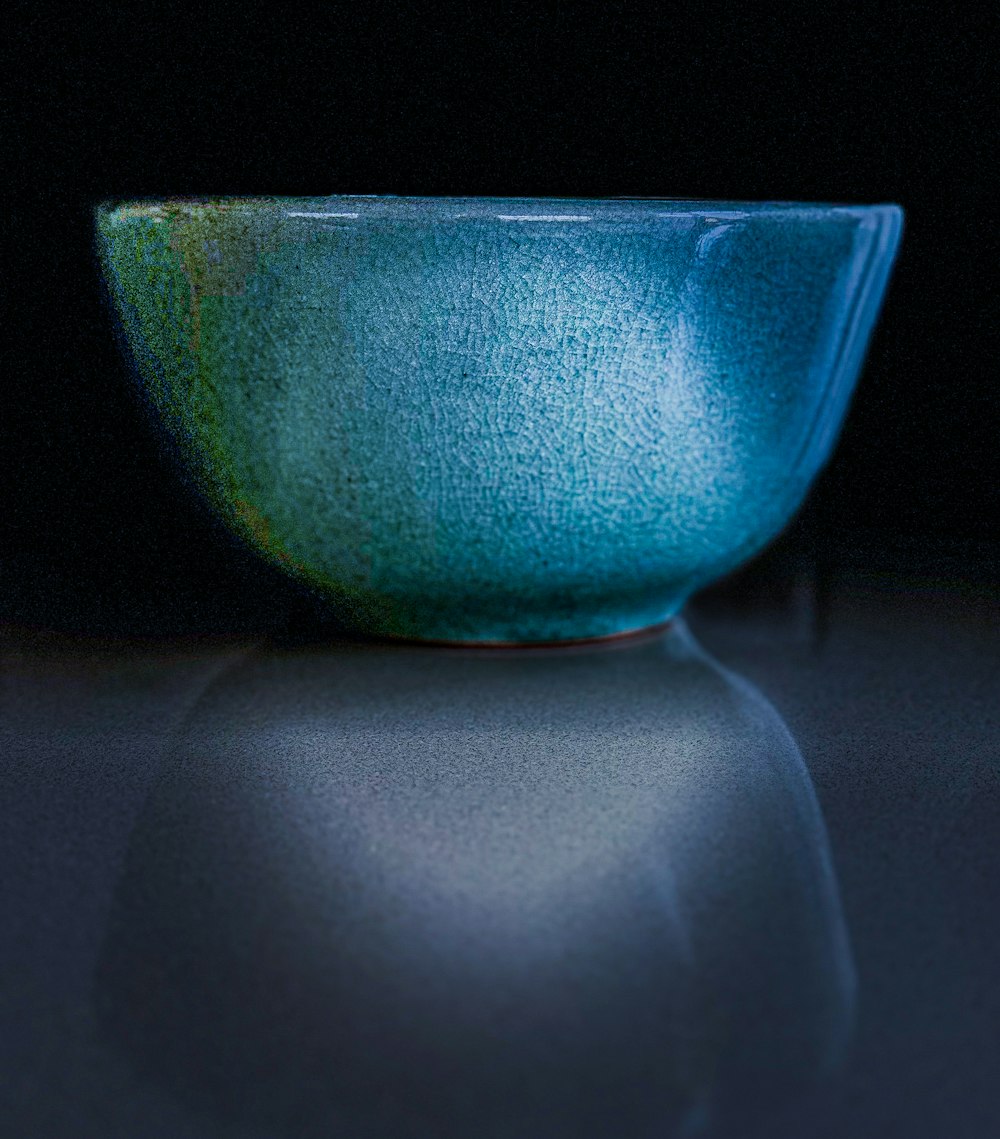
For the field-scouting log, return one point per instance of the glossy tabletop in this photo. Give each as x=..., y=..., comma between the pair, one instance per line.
x=734, y=879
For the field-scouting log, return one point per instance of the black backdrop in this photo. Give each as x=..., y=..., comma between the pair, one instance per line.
x=806, y=102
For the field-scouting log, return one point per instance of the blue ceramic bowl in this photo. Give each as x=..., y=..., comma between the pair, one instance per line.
x=501, y=420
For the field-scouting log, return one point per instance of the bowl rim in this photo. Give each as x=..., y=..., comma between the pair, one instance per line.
x=390, y=207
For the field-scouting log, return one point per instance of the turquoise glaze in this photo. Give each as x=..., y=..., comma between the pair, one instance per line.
x=501, y=420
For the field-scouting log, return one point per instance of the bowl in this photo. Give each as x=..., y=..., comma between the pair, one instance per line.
x=500, y=420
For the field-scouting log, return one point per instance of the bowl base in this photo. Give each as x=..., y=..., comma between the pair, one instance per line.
x=640, y=632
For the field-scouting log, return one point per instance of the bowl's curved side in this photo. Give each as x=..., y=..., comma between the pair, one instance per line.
x=482, y=431
x=855, y=304
x=851, y=306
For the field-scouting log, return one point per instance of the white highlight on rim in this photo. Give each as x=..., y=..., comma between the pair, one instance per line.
x=543, y=217
x=316, y=214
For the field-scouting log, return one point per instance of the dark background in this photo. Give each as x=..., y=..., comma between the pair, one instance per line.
x=98, y=533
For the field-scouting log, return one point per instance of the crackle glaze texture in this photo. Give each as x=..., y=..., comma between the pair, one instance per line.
x=500, y=420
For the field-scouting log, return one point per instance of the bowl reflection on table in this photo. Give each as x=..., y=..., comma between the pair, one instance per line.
x=500, y=420
x=400, y=891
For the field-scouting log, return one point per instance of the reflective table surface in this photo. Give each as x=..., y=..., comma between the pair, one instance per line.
x=738, y=877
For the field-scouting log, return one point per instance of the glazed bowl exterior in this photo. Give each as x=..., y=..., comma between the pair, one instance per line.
x=500, y=420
